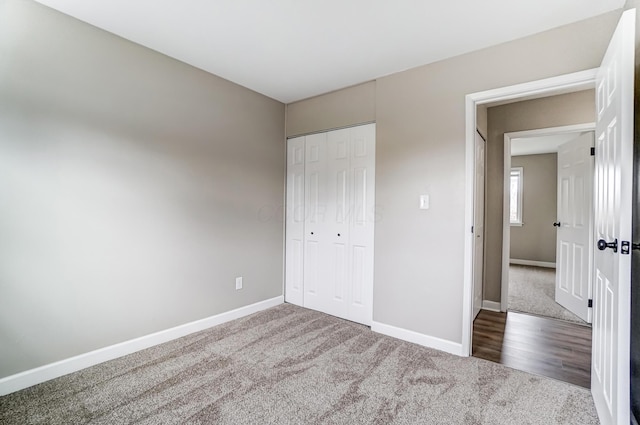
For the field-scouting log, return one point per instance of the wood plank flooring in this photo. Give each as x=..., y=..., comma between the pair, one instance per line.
x=539, y=345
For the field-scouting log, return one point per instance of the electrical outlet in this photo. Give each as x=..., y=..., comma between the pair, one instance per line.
x=239, y=282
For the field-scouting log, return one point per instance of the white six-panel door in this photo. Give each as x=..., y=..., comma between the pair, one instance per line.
x=334, y=215
x=613, y=204
x=574, y=239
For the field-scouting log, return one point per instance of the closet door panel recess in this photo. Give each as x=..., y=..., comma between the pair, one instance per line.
x=330, y=222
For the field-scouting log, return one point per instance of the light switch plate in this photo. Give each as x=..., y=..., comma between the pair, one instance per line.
x=424, y=202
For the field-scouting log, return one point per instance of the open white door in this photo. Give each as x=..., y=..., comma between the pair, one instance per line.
x=478, y=224
x=574, y=239
x=613, y=202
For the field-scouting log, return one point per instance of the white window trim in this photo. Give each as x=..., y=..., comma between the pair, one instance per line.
x=520, y=172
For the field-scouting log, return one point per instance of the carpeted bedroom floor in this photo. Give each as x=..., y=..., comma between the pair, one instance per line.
x=532, y=290
x=290, y=365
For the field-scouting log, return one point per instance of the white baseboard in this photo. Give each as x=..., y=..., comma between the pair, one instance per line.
x=532, y=263
x=44, y=373
x=491, y=305
x=418, y=338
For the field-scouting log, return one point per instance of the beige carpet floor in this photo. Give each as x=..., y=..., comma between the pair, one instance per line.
x=289, y=365
x=533, y=290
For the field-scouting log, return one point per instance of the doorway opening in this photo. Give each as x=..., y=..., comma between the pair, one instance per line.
x=526, y=188
x=547, y=224
x=536, y=89
x=613, y=198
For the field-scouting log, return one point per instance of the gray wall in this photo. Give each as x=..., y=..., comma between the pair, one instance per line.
x=420, y=115
x=352, y=105
x=135, y=188
x=535, y=240
x=554, y=111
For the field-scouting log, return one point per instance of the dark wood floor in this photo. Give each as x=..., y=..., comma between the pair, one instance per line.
x=535, y=344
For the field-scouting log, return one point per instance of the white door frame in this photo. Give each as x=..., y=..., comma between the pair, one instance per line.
x=506, y=225
x=561, y=84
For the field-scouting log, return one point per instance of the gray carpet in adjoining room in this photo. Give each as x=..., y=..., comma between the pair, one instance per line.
x=533, y=290
x=289, y=365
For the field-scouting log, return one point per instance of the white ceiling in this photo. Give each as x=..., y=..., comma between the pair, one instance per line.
x=540, y=144
x=294, y=49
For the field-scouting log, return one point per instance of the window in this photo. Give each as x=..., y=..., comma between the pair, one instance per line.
x=515, y=190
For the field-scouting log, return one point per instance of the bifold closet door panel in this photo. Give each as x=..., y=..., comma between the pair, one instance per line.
x=361, y=234
x=338, y=221
x=294, y=229
x=315, y=225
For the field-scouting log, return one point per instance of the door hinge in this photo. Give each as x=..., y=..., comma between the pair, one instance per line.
x=593, y=151
x=590, y=304
x=471, y=229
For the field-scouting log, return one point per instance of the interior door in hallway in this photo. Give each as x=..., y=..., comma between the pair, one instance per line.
x=574, y=238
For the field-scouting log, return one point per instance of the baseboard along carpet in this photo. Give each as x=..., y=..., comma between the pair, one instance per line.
x=533, y=290
x=290, y=365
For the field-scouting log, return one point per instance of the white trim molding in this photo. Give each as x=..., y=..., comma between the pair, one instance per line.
x=418, y=338
x=576, y=81
x=44, y=373
x=491, y=305
x=520, y=262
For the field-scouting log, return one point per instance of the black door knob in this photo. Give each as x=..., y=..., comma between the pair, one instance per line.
x=602, y=245
x=556, y=224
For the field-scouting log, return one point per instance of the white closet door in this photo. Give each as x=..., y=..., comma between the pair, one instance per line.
x=294, y=241
x=330, y=219
x=338, y=222
x=315, y=228
x=362, y=168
